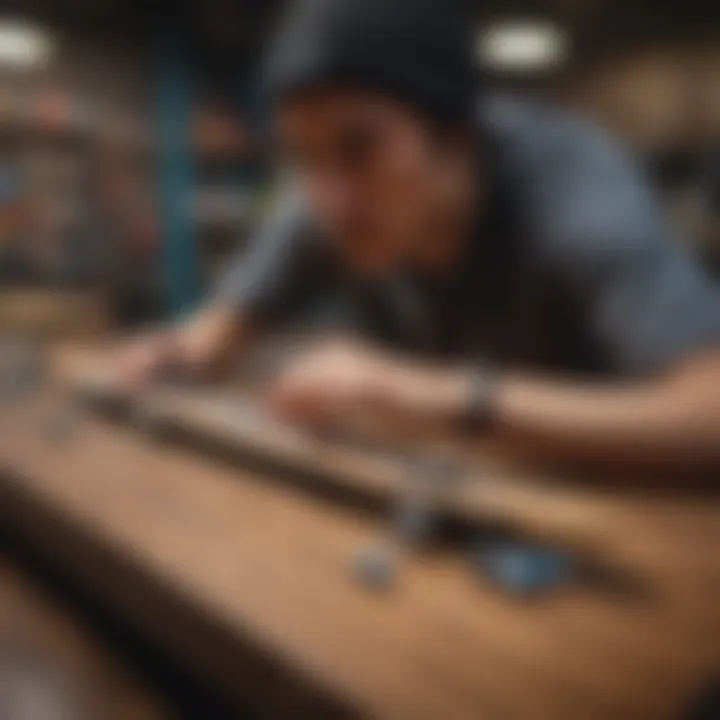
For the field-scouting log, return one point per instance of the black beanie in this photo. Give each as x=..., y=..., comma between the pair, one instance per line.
x=417, y=51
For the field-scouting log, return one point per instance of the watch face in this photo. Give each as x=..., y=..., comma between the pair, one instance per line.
x=480, y=407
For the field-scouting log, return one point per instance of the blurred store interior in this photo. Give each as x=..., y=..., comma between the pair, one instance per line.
x=134, y=159
x=133, y=141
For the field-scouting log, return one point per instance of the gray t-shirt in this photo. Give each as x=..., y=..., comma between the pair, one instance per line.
x=573, y=268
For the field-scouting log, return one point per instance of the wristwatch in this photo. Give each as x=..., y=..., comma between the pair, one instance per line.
x=480, y=407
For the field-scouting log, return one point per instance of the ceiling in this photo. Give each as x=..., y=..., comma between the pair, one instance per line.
x=234, y=29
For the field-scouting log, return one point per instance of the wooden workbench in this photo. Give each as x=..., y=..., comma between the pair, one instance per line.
x=247, y=576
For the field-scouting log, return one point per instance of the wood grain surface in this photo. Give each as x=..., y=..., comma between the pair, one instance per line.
x=249, y=579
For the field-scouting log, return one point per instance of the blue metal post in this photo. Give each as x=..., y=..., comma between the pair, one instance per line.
x=180, y=267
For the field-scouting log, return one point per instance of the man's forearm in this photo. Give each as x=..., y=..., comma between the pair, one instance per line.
x=661, y=425
x=669, y=423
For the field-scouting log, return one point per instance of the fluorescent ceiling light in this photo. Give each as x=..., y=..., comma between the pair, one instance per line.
x=22, y=45
x=523, y=46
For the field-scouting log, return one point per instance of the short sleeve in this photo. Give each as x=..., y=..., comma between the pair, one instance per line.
x=644, y=298
x=282, y=272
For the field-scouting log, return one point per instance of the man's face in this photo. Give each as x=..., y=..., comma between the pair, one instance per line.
x=370, y=170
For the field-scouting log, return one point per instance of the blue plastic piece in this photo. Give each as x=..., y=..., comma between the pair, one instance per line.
x=523, y=569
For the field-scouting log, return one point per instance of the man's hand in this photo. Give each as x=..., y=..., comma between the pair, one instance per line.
x=353, y=386
x=142, y=360
x=203, y=345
